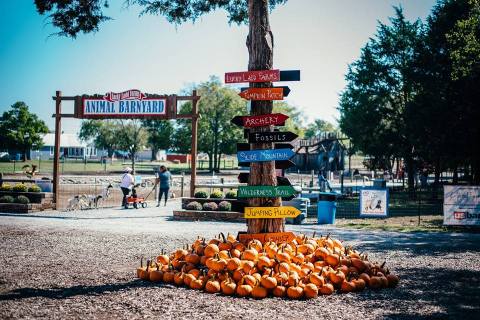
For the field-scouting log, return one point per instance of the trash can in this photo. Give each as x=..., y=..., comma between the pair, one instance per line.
x=45, y=185
x=327, y=207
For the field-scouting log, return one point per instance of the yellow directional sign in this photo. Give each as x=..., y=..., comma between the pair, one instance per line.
x=271, y=212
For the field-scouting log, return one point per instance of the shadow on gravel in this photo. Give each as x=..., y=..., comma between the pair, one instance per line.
x=455, y=291
x=63, y=293
x=414, y=243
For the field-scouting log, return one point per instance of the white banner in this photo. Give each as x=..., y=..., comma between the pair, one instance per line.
x=461, y=205
x=373, y=202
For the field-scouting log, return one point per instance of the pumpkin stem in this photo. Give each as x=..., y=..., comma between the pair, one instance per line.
x=223, y=237
x=141, y=262
x=148, y=265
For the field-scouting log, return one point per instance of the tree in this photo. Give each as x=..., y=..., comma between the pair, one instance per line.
x=217, y=107
x=132, y=138
x=160, y=135
x=380, y=92
x=73, y=17
x=317, y=127
x=21, y=130
x=104, y=133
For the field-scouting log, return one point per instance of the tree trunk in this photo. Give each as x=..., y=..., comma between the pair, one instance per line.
x=210, y=162
x=154, y=154
x=133, y=162
x=219, y=162
x=260, y=49
x=410, y=173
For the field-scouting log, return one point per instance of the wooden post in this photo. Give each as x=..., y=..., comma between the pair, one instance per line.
x=56, y=151
x=193, y=178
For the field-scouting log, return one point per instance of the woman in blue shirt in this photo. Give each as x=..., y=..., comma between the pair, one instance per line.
x=165, y=180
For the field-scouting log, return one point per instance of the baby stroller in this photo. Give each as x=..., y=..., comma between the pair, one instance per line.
x=135, y=200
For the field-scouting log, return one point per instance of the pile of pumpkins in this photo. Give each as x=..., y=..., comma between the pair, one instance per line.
x=302, y=268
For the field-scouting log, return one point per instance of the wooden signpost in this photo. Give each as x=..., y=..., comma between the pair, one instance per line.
x=281, y=181
x=264, y=94
x=285, y=164
x=271, y=212
x=274, y=119
x=266, y=192
x=278, y=237
x=265, y=137
x=263, y=155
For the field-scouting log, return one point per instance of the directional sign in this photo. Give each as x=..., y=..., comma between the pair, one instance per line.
x=246, y=131
x=264, y=137
x=281, y=181
x=277, y=237
x=262, y=155
x=265, y=191
x=262, y=76
x=264, y=94
x=253, y=76
x=278, y=164
x=286, y=90
x=260, y=121
x=271, y=212
x=246, y=146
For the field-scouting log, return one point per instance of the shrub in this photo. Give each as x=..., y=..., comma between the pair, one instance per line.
x=201, y=194
x=6, y=187
x=20, y=188
x=194, y=205
x=34, y=188
x=22, y=199
x=232, y=194
x=217, y=194
x=7, y=199
x=224, y=206
x=210, y=206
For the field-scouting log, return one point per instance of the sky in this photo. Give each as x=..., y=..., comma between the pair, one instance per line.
x=318, y=37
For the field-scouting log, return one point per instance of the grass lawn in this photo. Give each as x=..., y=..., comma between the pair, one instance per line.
x=72, y=166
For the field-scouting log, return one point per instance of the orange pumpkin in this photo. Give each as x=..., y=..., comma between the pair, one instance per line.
x=211, y=250
x=316, y=279
x=310, y=291
x=233, y=264
x=212, y=286
x=228, y=287
x=259, y=292
x=295, y=292
x=392, y=280
x=244, y=290
x=327, y=289
x=269, y=282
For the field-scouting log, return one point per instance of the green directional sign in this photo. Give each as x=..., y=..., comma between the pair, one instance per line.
x=265, y=191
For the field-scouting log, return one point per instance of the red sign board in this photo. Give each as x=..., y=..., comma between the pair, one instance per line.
x=262, y=94
x=278, y=237
x=263, y=120
x=252, y=76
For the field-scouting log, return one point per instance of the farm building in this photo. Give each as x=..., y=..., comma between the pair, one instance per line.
x=70, y=147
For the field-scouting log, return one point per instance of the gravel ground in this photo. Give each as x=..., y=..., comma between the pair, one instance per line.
x=81, y=265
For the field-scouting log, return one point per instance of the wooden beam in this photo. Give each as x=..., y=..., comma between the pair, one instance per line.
x=193, y=98
x=193, y=178
x=56, y=152
x=65, y=98
x=65, y=115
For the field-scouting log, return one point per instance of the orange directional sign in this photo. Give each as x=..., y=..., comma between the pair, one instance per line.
x=278, y=237
x=262, y=94
x=271, y=212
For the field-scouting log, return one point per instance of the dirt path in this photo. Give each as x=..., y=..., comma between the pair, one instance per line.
x=80, y=265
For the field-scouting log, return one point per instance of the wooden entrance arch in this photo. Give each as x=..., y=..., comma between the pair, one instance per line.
x=83, y=111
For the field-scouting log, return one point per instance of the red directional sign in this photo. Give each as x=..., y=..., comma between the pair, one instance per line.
x=260, y=121
x=262, y=94
x=252, y=76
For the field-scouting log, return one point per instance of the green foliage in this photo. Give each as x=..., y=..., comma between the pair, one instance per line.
x=104, y=134
x=217, y=136
x=34, y=188
x=21, y=130
x=22, y=199
x=74, y=17
x=232, y=194
x=6, y=187
x=317, y=127
x=194, y=205
x=6, y=199
x=201, y=194
x=210, y=206
x=224, y=206
x=217, y=194
x=160, y=134
x=20, y=187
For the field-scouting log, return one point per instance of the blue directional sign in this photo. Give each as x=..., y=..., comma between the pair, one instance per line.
x=265, y=155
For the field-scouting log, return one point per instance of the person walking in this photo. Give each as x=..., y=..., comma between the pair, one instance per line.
x=165, y=180
x=126, y=185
